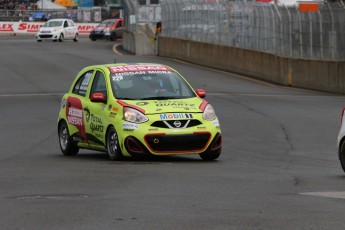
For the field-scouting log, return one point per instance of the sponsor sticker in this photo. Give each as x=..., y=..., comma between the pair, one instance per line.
x=130, y=126
x=134, y=68
x=169, y=116
x=216, y=123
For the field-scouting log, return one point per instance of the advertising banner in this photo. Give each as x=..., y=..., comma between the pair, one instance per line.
x=32, y=27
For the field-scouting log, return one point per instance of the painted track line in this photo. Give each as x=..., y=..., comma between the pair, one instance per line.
x=31, y=94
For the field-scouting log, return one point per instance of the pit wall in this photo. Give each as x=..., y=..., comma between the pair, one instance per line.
x=328, y=76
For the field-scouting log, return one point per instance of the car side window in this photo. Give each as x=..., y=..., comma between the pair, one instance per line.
x=99, y=85
x=65, y=24
x=119, y=24
x=70, y=24
x=82, y=84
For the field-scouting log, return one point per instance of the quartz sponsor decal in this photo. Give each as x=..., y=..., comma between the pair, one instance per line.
x=175, y=104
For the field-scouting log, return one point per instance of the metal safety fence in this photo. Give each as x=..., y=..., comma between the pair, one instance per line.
x=136, y=14
x=78, y=15
x=279, y=29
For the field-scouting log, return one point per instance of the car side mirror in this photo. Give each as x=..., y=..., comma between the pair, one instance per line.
x=201, y=93
x=98, y=97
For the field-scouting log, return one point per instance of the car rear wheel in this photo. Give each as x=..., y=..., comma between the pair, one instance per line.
x=113, y=147
x=61, y=38
x=209, y=156
x=342, y=155
x=67, y=145
x=76, y=38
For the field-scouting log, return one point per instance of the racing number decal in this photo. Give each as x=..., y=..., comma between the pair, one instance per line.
x=75, y=116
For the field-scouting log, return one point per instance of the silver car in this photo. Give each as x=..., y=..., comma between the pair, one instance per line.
x=58, y=30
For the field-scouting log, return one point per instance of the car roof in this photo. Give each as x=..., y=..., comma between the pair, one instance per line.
x=59, y=19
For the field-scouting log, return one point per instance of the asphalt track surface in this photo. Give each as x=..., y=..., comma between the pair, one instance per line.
x=278, y=169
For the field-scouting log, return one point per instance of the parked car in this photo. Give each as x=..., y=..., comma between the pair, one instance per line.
x=58, y=30
x=110, y=29
x=137, y=110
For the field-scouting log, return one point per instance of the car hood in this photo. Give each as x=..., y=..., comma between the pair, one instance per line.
x=190, y=105
x=100, y=28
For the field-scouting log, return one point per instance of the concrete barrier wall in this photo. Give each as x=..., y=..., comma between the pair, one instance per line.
x=326, y=76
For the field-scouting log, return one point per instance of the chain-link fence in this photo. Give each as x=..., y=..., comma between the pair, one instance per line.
x=282, y=30
x=140, y=14
x=78, y=15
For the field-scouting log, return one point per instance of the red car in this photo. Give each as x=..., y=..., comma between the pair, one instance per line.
x=110, y=29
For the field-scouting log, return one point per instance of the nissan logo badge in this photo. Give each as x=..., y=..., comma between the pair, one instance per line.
x=177, y=124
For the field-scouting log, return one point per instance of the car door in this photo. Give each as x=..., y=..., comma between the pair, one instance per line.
x=119, y=28
x=72, y=29
x=96, y=110
x=75, y=103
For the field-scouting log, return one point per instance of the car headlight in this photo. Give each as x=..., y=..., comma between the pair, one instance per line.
x=209, y=113
x=133, y=115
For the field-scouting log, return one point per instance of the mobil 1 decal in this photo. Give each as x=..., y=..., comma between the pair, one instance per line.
x=74, y=114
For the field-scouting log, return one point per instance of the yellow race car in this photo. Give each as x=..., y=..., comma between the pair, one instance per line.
x=137, y=110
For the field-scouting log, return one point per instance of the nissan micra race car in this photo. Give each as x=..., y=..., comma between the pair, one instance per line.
x=137, y=110
x=58, y=30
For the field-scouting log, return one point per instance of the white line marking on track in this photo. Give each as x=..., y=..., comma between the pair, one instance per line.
x=115, y=49
x=339, y=194
x=30, y=94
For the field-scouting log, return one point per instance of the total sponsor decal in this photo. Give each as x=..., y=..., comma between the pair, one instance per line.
x=169, y=116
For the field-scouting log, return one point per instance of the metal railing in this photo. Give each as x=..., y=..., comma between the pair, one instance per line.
x=78, y=15
x=278, y=29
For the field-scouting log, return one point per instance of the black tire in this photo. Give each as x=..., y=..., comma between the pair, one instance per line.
x=61, y=38
x=112, y=36
x=67, y=145
x=113, y=146
x=93, y=39
x=209, y=156
x=342, y=155
x=76, y=38
x=39, y=40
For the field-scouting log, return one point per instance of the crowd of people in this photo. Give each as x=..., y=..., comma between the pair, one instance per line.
x=18, y=5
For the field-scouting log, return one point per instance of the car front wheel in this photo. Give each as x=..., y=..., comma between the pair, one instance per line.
x=113, y=147
x=342, y=155
x=67, y=145
x=76, y=38
x=209, y=156
x=61, y=38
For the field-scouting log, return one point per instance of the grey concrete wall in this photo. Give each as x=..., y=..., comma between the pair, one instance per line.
x=326, y=76
x=141, y=42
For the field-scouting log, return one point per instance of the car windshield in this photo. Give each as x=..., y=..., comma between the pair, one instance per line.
x=53, y=24
x=106, y=24
x=150, y=85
